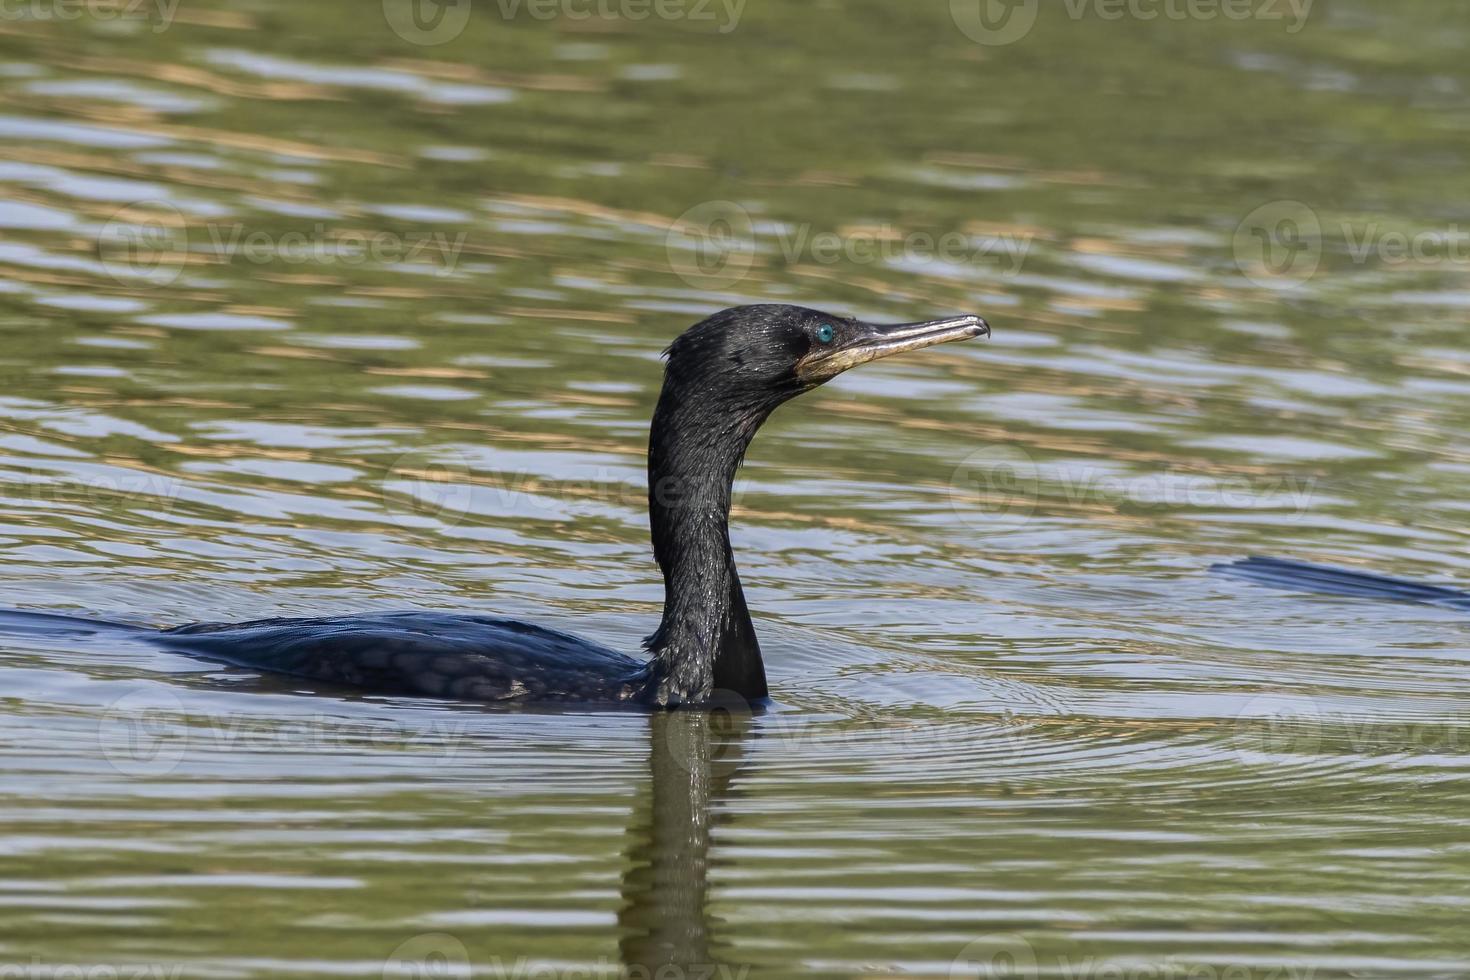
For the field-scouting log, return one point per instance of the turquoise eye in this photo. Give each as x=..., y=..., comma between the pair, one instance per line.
x=825, y=333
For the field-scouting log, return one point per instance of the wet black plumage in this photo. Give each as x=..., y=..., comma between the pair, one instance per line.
x=437, y=655
x=723, y=379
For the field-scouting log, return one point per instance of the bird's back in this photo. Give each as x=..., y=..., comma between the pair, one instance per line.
x=424, y=654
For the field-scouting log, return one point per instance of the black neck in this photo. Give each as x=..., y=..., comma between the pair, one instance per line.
x=706, y=641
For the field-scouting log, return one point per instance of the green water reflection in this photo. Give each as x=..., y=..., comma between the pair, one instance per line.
x=331, y=306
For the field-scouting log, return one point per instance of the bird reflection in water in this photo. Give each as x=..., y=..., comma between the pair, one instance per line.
x=665, y=921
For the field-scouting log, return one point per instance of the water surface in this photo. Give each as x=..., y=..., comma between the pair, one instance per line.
x=299, y=315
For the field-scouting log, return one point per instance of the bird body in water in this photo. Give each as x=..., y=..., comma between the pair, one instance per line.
x=723, y=379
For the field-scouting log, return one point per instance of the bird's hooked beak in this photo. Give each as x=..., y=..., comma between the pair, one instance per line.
x=869, y=342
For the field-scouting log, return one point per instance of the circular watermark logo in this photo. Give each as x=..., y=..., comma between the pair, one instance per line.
x=1278, y=725
x=427, y=22
x=432, y=956
x=428, y=487
x=1279, y=244
x=708, y=739
x=712, y=245
x=994, y=22
x=144, y=242
x=997, y=481
x=999, y=956
x=139, y=735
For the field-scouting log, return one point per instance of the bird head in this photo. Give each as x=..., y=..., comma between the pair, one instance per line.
x=760, y=356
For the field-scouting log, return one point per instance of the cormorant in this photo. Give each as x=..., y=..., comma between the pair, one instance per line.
x=724, y=377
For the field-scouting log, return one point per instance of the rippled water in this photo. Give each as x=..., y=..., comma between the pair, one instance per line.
x=301, y=314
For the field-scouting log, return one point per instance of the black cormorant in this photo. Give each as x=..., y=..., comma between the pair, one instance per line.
x=724, y=378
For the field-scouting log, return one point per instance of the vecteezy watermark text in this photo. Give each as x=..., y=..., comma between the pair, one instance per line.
x=39, y=969
x=445, y=486
x=1281, y=244
x=429, y=22
x=151, y=242
x=155, y=490
x=1273, y=724
x=1007, y=481
x=1010, y=956
x=442, y=955
x=1000, y=22
x=149, y=733
x=158, y=14
x=716, y=244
